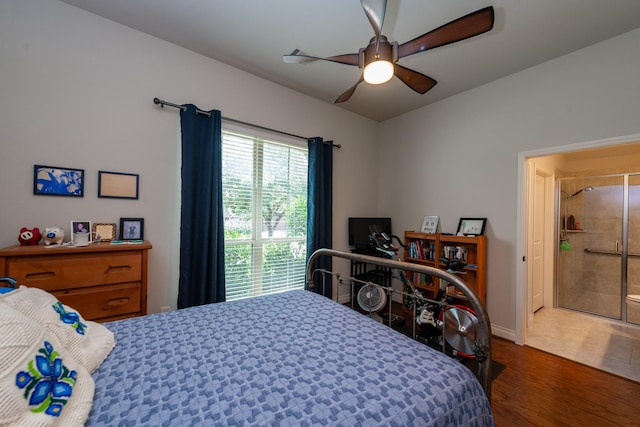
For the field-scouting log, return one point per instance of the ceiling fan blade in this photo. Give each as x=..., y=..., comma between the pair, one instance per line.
x=347, y=94
x=415, y=80
x=375, y=11
x=473, y=24
x=299, y=57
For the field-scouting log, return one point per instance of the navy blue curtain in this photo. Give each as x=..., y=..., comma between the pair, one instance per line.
x=202, y=219
x=319, y=209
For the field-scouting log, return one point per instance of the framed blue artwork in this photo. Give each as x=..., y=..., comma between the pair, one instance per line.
x=58, y=181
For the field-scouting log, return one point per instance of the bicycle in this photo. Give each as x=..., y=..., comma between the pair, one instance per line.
x=443, y=324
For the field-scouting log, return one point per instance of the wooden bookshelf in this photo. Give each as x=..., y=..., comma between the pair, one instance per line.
x=426, y=249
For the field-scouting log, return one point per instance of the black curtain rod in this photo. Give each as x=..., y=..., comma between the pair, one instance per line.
x=206, y=113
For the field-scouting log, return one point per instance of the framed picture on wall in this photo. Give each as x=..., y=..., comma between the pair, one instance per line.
x=58, y=181
x=472, y=226
x=117, y=185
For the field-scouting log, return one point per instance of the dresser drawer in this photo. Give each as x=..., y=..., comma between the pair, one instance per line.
x=103, y=301
x=58, y=272
x=102, y=281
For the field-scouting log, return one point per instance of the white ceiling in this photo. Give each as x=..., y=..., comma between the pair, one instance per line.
x=252, y=35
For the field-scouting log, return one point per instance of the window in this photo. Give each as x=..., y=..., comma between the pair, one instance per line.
x=264, y=185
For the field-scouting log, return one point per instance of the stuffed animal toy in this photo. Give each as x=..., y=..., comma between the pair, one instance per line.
x=29, y=237
x=53, y=235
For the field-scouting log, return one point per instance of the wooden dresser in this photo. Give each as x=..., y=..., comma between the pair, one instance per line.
x=102, y=281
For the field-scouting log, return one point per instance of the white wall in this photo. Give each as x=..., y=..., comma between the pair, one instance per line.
x=76, y=91
x=464, y=149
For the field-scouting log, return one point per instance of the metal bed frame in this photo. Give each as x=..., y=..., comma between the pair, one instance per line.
x=482, y=339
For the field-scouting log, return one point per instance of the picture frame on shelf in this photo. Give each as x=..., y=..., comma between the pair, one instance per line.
x=58, y=181
x=118, y=185
x=131, y=229
x=471, y=226
x=430, y=224
x=106, y=231
x=78, y=226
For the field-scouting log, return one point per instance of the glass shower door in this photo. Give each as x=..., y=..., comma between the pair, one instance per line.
x=632, y=300
x=589, y=259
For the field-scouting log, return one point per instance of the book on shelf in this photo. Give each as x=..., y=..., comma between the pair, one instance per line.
x=420, y=279
x=421, y=250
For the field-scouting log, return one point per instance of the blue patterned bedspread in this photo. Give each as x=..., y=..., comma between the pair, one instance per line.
x=293, y=359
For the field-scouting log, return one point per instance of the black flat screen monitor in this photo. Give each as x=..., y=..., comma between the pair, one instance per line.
x=359, y=230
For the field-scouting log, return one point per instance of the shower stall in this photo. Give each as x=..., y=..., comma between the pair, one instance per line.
x=598, y=256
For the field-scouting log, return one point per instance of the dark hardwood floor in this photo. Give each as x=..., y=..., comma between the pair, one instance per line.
x=541, y=389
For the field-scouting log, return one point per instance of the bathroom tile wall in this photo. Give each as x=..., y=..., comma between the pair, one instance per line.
x=592, y=281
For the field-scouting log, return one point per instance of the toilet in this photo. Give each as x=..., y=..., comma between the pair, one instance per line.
x=634, y=299
x=633, y=309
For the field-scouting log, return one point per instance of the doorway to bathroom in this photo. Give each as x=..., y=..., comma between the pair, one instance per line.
x=573, y=329
x=598, y=261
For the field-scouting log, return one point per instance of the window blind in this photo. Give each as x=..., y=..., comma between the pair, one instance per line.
x=264, y=186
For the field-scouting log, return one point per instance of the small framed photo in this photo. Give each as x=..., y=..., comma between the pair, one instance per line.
x=131, y=228
x=116, y=185
x=472, y=226
x=80, y=227
x=429, y=224
x=106, y=231
x=58, y=181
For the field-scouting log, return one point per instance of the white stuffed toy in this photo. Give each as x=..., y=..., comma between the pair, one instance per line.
x=53, y=236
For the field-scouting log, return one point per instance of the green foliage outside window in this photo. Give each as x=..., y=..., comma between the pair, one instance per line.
x=265, y=207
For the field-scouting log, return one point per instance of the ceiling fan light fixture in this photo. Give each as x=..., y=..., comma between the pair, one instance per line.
x=378, y=72
x=379, y=59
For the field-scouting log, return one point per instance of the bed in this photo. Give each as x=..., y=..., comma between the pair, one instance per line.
x=291, y=359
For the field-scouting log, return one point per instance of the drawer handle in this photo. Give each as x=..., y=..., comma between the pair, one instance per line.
x=40, y=275
x=118, y=268
x=117, y=301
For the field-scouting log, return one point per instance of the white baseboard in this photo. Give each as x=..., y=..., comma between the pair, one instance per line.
x=507, y=334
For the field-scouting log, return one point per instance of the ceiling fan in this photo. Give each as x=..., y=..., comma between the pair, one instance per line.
x=379, y=60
